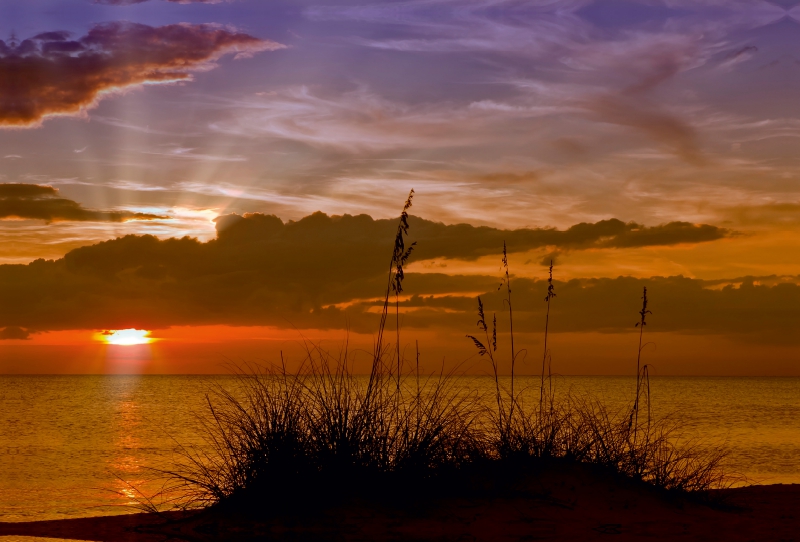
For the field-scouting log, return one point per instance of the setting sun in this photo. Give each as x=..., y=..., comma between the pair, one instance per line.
x=126, y=337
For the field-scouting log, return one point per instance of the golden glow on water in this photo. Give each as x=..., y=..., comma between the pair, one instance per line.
x=78, y=446
x=125, y=337
x=126, y=461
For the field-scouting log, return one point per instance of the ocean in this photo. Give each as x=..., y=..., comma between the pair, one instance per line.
x=76, y=446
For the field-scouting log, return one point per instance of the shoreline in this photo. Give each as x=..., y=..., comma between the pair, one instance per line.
x=562, y=506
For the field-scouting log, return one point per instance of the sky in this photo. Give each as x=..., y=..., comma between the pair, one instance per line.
x=228, y=176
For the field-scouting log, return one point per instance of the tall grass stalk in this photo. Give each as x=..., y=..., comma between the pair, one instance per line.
x=507, y=282
x=488, y=350
x=550, y=295
x=642, y=373
x=400, y=255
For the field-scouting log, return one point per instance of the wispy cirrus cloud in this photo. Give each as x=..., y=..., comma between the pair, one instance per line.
x=619, y=57
x=188, y=153
x=52, y=74
x=446, y=26
x=131, y=2
x=362, y=120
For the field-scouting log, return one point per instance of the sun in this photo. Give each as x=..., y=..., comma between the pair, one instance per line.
x=126, y=337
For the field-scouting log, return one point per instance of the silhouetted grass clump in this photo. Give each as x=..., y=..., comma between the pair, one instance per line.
x=322, y=433
x=581, y=429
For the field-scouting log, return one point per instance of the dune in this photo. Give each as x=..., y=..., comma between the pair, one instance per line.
x=573, y=503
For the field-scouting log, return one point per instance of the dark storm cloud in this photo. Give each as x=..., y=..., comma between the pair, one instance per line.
x=52, y=74
x=311, y=273
x=38, y=202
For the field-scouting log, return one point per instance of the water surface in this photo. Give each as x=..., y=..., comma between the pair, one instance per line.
x=73, y=446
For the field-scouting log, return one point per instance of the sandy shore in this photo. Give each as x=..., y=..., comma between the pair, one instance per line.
x=557, y=507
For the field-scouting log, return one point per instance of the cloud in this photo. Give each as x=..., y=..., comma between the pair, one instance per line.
x=618, y=55
x=612, y=82
x=131, y=2
x=741, y=55
x=312, y=273
x=355, y=121
x=467, y=242
x=447, y=26
x=637, y=67
x=13, y=333
x=662, y=126
x=52, y=74
x=758, y=309
x=189, y=154
x=39, y=202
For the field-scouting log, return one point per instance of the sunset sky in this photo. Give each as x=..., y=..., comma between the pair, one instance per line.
x=227, y=175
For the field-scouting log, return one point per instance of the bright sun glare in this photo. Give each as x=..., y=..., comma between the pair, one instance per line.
x=127, y=337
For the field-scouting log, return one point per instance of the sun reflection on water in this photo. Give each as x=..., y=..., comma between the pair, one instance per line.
x=126, y=461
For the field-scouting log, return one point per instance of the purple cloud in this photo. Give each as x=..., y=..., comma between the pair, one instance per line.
x=51, y=74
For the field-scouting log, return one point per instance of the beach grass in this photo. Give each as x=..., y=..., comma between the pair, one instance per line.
x=322, y=433
x=276, y=439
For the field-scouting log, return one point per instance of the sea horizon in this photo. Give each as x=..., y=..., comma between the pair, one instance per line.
x=78, y=445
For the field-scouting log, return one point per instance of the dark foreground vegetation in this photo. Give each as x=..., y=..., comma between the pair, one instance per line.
x=280, y=441
x=571, y=503
x=322, y=434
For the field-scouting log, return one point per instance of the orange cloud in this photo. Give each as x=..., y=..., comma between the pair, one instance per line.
x=51, y=74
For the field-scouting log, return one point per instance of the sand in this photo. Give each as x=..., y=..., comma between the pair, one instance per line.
x=558, y=506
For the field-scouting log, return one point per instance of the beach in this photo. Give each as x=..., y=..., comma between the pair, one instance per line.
x=562, y=506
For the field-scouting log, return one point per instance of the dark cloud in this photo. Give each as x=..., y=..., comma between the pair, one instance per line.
x=313, y=273
x=763, y=309
x=38, y=202
x=757, y=309
x=52, y=74
x=463, y=241
x=13, y=333
x=437, y=240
